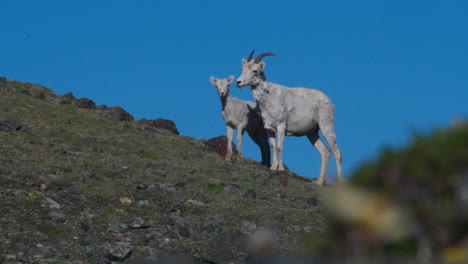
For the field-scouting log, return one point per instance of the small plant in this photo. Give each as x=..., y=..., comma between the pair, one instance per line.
x=50, y=229
x=146, y=155
x=215, y=187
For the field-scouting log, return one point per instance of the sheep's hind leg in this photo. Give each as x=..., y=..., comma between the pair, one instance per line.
x=326, y=124
x=324, y=152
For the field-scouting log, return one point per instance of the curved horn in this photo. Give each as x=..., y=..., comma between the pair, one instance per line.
x=260, y=57
x=250, y=56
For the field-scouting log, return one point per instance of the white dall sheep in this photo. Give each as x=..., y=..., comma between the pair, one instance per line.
x=243, y=116
x=292, y=112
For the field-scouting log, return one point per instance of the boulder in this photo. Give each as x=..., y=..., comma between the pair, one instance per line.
x=219, y=145
x=9, y=126
x=67, y=98
x=85, y=103
x=162, y=124
x=117, y=112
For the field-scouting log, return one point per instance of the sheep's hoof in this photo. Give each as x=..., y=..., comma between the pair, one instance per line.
x=274, y=166
x=227, y=158
x=319, y=182
x=281, y=167
x=239, y=157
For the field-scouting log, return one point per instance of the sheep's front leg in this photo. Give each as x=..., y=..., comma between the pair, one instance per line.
x=281, y=133
x=240, y=134
x=271, y=136
x=230, y=132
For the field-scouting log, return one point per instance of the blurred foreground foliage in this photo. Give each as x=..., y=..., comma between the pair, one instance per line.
x=409, y=202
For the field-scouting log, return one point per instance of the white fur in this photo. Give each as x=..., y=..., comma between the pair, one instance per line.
x=292, y=112
x=243, y=116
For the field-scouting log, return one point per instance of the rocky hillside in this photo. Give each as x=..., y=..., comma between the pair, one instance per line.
x=81, y=183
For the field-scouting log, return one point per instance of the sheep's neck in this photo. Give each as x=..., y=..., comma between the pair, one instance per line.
x=260, y=90
x=224, y=100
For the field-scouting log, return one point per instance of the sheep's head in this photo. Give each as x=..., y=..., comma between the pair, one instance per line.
x=222, y=85
x=252, y=70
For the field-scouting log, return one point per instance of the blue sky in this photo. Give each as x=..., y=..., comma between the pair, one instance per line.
x=390, y=67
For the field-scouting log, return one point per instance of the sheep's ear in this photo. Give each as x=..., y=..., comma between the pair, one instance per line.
x=244, y=61
x=230, y=79
x=213, y=80
x=261, y=66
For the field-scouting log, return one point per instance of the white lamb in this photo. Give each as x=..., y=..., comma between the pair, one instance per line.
x=243, y=116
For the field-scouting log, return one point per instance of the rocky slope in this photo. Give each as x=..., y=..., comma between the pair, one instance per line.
x=81, y=183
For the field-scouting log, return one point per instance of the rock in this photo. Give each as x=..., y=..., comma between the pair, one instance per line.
x=165, y=124
x=126, y=200
x=142, y=186
x=281, y=195
x=43, y=187
x=180, y=185
x=313, y=201
x=52, y=204
x=248, y=227
x=85, y=103
x=39, y=95
x=113, y=228
x=143, y=203
x=57, y=216
x=179, y=223
x=25, y=92
x=76, y=153
x=102, y=107
x=85, y=226
x=231, y=187
x=58, y=185
x=90, y=248
x=67, y=98
x=138, y=223
x=76, y=197
x=9, y=126
x=140, y=152
x=219, y=145
x=195, y=203
x=156, y=186
x=41, y=92
x=160, y=123
x=284, y=181
x=10, y=257
x=166, y=220
x=250, y=194
x=120, y=114
x=172, y=235
x=118, y=251
x=183, y=231
x=38, y=256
